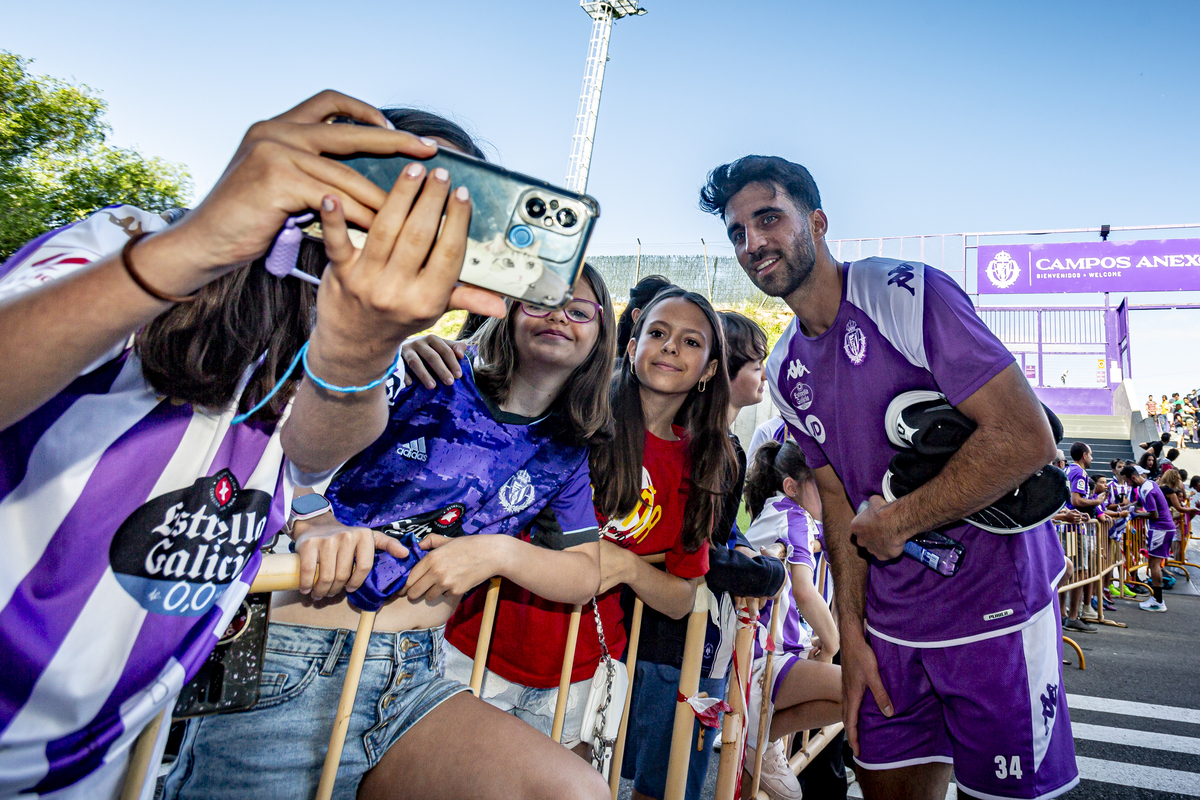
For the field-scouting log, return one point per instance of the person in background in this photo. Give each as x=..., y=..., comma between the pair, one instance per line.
x=1157, y=445
x=1160, y=531
x=1168, y=462
x=1148, y=464
x=1151, y=408
x=782, y=497
x=1081, y=500
x=641, y=294
x=735, y=571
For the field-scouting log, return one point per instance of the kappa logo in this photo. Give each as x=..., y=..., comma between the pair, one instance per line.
x=796, y=369
x=517, y=493
x=855, y=343
x=802, y=396
x=414, y=449
x=1049, y=705
x=901, y=276
x=1003, y=270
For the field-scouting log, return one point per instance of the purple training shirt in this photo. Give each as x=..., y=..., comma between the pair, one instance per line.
x=900, y=327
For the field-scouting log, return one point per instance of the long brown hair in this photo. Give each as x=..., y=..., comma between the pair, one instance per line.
x=582, y=404
x=198, y=352
x=616, y=465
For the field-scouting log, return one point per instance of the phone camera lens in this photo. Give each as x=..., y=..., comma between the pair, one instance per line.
x=521, y=236
x=553, y=204
x=535, y=207
x=567, y=218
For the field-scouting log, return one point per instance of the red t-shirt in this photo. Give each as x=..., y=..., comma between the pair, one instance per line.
x=531, y=633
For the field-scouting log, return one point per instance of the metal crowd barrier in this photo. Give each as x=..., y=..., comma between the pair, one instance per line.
x=1093, y=556
x=1134, y=545
x=1183, y=523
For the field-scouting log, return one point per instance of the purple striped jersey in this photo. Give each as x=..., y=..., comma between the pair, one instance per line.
x=132, y=526
x=783, y=520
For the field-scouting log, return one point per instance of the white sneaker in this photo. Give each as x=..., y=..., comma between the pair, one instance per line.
x=777, y=780
x=1152, y=605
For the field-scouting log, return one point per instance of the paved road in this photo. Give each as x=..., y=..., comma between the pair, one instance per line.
x=1135, y=710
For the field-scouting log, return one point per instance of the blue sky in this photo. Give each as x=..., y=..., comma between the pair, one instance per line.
x=913, y=117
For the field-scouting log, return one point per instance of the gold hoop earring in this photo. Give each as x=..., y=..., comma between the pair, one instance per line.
x=702, y=385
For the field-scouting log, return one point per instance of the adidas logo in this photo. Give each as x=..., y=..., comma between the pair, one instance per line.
x=414, y=449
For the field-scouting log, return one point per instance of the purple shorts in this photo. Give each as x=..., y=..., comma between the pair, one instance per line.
x=1158, y=542
x=995, y=708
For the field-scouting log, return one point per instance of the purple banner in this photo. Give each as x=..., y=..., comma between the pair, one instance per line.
x=1166, y=265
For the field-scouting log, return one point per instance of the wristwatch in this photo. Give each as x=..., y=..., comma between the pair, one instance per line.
x=307, y=506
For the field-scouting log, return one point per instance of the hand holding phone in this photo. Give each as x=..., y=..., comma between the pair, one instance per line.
x=526, y=238
x=401, y=281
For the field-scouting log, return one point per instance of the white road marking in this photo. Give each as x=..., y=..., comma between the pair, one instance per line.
x=1110, y=706
x=856, y=791
x=1155, y=779
x=1153, y=741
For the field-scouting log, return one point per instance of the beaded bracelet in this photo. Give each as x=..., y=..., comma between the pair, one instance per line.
x=302, y=356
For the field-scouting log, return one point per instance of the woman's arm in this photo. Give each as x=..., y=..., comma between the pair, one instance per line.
x=370, y=301
x=50, y=334
x=455, y=566
x=812, y=607
x=662, y=591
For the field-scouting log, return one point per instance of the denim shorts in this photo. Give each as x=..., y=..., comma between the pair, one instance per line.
x=651, y=723
x=535, y=706
x=275, y=750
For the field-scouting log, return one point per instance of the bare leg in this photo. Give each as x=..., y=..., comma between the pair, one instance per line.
x=810, y=697
x=467, y=748
x=1075, y=596
x=918, y=782
x=804, y=717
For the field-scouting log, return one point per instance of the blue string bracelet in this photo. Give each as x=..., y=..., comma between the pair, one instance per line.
x=302, y=356
x=329, y=387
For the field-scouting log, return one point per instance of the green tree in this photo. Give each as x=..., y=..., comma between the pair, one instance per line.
x=55, y=167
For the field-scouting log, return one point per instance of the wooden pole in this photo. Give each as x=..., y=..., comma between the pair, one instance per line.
x=564, y=681
x=337, y=739
x=637, y=269
x=635, y=633
x=689, y=684
x=485, y=635
x=278, y=572
x=141, y=758
x=765, y=708
x=732, y=741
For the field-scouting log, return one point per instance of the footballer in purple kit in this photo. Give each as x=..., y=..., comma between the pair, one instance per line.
x=961, y=670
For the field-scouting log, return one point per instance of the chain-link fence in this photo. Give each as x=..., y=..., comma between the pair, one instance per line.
x=721, y=278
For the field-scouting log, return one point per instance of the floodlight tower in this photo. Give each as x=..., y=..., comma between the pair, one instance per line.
x=602, y=12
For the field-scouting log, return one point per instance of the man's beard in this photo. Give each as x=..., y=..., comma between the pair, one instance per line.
x=795, y=266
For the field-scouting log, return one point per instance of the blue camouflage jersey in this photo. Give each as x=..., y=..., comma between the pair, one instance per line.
x=451, y=462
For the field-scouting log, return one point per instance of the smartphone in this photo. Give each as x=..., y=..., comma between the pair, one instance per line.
x=527, y=238
x=228, y=679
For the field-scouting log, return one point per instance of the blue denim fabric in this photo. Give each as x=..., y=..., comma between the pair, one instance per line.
x=275, y=750
x=651, y=720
